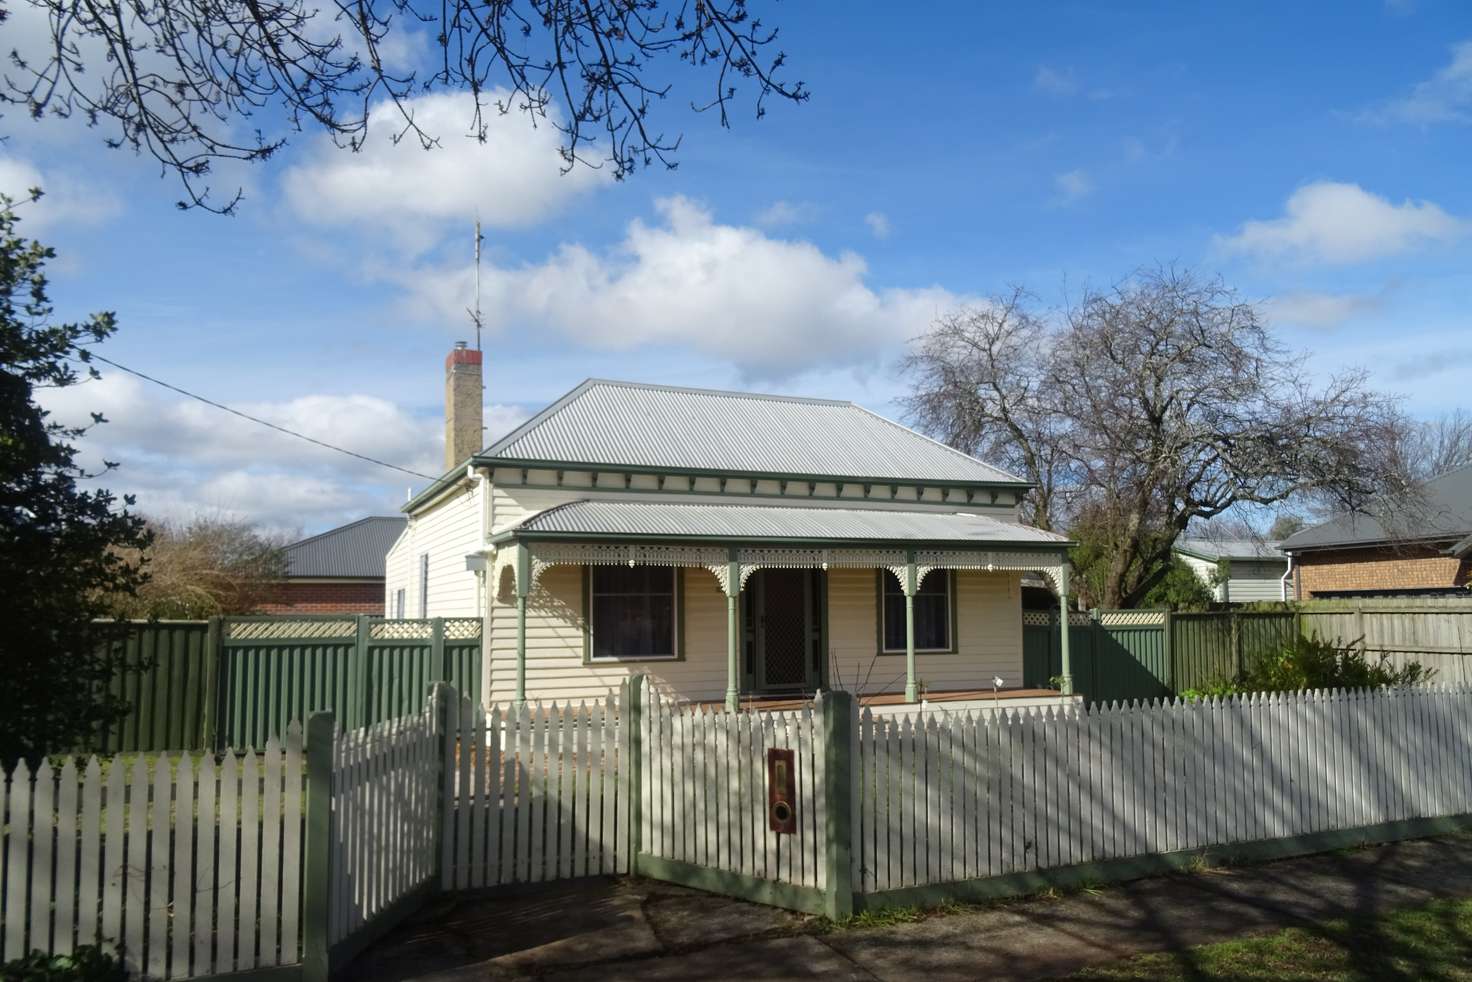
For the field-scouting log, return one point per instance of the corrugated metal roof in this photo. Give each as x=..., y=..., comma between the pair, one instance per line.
x=768, y=523
x=1443, y=510
x=636, y=425
x=1230, y=548
x=357, y=549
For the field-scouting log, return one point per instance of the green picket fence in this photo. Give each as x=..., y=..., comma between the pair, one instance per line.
x=238, y=681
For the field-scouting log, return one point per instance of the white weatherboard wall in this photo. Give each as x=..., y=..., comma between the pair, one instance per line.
x=448, y=531
x=1249, y=581
x=988, y=632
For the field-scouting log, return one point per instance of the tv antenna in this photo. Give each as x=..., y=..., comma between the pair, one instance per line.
x=475, y=313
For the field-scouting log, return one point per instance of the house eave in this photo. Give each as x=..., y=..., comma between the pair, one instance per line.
x=528, y=463
x=514, y=535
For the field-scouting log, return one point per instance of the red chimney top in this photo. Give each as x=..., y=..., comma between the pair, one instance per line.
x=462, y=354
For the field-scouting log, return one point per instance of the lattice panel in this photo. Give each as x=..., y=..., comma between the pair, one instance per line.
x=462, y=628
x=291, y=630
x=1132, y=618
x=1036, y=618
x=415, y=630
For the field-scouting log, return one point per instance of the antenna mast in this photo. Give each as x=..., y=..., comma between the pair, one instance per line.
x=475, y=314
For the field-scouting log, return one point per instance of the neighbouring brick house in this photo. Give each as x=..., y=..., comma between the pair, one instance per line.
x=339, y=571
x=1424, y=548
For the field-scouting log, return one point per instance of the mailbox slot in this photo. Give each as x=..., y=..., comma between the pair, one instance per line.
x=782, y=791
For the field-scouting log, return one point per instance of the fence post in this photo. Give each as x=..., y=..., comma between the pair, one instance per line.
x=437, y=648
x=1168, y=649
x=214, y=656
x=1236, y=636
x=839, y=710
x=319, y=874
x=634, y=787
x=360, y=666
x=440, y=696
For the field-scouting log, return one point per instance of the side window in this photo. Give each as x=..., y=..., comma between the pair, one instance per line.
x=398, y=610
x=424, y=584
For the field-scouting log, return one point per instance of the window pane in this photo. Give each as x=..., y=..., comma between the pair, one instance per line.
x=894, y=621
x=932, y=613
x=931, y=623
x=633, y=610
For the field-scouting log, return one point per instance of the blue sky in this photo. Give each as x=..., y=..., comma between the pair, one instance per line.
x=1314, y=155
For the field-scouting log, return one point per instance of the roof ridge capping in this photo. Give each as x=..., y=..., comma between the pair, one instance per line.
x=695, y=390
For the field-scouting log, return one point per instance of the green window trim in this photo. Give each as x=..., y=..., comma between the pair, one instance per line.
x=879, y=584
x=587, y=603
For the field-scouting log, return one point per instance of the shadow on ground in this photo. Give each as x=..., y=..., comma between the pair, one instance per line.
x=626, y=928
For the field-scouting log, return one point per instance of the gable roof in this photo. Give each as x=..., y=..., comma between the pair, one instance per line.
x=1444, y=511
x=1214, y=549
x=659, y=427
x=635, y=520
x=357, y=550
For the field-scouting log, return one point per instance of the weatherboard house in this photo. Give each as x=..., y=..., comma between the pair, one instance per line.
x=730, y=546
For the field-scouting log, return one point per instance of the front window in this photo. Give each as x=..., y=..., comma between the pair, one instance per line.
x=631, y=611
x=932, y=612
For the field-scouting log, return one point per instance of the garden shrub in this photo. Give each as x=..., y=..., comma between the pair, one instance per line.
x=1313, y=663
x=87, y=963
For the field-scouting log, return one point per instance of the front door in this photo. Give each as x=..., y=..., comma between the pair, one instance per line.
x=784, y=622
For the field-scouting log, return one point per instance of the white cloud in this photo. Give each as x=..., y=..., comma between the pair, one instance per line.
x=1073, y=185
x=1445, y=97
x=1334, y=222
x=878, y=223
x=780, y=213
x=771, y=308
x=183, y=458
x=66, y=199
x=513, y=179
x=1310, y=308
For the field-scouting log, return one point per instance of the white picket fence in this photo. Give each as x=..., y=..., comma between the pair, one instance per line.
x=535, y=793
x=968, y=796
x=191, y=867
x=386, y=798
x=704, y=794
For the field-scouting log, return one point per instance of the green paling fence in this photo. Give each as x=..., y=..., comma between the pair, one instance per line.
x=238, y=681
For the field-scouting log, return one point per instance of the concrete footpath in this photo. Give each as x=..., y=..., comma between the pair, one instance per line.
x=607, y=929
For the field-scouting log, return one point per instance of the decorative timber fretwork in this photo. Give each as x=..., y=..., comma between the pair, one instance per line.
x=1050, y=565
x=743, y=562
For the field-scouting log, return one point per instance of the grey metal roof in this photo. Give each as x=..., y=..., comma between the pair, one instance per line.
x=656, y=426
x=767, y=523
x=1214, y=549
x=356, y=550
x=1442, y=510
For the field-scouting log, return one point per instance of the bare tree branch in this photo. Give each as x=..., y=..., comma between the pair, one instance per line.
x=186, y=81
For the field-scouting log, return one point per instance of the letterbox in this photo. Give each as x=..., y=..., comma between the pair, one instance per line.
x=781, y=791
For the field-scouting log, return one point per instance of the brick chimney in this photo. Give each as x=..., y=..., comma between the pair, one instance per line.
x=464, y=391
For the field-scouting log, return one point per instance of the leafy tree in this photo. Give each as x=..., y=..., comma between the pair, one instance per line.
x=1178, y=588
x=204, y=567
x=1160, y=403
x=196, y=82
x=61, y=547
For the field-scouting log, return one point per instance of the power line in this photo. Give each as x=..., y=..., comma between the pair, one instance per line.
x=255, y=419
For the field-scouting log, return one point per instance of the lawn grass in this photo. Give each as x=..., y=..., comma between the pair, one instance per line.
x=1431, y=942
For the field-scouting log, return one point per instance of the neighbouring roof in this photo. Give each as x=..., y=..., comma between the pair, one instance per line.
x=1443, y=510
x=769, y=522
x=356, y=550
x=664, y=427
x=1214, y=549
